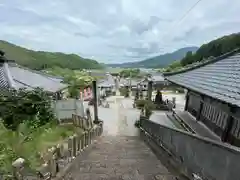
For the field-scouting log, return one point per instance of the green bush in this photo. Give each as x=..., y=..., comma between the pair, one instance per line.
x=147, y=105
x=23, y=106
x=140, y=103
x=124, y=92
x=129, y=73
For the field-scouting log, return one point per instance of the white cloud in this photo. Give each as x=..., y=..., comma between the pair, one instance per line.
x=116, y=30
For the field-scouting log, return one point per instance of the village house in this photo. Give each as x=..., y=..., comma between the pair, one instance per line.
x=213, y=96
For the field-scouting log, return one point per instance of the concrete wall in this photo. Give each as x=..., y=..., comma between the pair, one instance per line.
x=64, y=109
x=206, y=158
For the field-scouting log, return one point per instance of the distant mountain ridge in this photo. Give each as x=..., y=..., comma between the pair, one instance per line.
x=158, y=61
x=39, y=60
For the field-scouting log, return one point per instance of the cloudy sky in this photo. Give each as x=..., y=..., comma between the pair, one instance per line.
x=114, y=31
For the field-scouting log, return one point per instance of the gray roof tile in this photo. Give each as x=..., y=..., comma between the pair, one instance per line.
x=157, y=77
x=3, y=79
x=28, y=78
x=219, y=78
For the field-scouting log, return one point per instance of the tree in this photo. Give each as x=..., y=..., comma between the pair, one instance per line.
x=187, y=59
x=130, y=73
x=214, y=48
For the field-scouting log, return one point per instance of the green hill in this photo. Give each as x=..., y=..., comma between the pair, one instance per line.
x=207, y=52
x=212, y=49
x=40, y=60
x=158, y=61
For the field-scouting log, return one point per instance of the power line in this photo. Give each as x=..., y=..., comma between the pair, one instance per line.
x=189, y=10
x=183, y=17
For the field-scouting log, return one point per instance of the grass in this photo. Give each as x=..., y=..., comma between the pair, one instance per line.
x=28, y=145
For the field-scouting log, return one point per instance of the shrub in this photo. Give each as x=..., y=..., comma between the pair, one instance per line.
x=147, y=105
x=23, y=106
x=124, y=92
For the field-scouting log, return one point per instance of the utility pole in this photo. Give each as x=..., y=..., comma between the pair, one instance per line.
x=95, y=100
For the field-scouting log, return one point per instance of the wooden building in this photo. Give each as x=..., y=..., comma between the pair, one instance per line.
x=213, y=95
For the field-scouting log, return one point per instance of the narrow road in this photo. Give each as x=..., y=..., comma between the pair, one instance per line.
x=119, y=154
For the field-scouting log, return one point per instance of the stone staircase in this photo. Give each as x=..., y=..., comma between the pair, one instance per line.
x=119, y=157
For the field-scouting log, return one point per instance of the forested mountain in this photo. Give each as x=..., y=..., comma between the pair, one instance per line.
x=158, y=61
x=207, y=52
x=214, y=48
x=40, y=60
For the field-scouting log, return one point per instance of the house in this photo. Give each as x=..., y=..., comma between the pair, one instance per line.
x=107, y=82
x=158, y=80
x=213, y=96
x=16, y=76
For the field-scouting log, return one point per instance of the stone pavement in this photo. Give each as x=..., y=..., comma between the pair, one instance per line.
x=119, y=158
x=119, y=154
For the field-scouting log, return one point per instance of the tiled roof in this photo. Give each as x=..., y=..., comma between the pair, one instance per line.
x=157, y=77
x=55, y=78
x=107, y=82
x=3, y=78
x=135, y=82
x=30, y=79
x=218, y=78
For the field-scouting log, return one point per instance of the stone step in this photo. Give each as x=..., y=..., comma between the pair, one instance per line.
x=119, y=157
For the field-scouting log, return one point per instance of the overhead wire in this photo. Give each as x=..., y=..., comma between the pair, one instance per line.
x=176, y=23
x=188, y=11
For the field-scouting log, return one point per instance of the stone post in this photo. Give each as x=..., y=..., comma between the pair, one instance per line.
x=97, y=130
x=18, y=167
x=86, y=139
x=82, y=141
x=93, y=134
x=101, y=128
x=174, y=102
x=90, y=136
x=70, y=148
x=54, y=165
x=78, y=144
x=59, y=151
x=150, y=87
x=74, y=145
x=52, y=161
x=82, y=123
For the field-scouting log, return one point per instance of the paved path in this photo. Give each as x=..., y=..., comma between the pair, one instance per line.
x=119, y=154
x=119, y=119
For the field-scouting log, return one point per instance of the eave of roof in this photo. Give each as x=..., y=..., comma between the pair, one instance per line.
x=22, y=79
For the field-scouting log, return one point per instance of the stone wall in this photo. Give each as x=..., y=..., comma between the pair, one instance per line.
x=193, y=156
